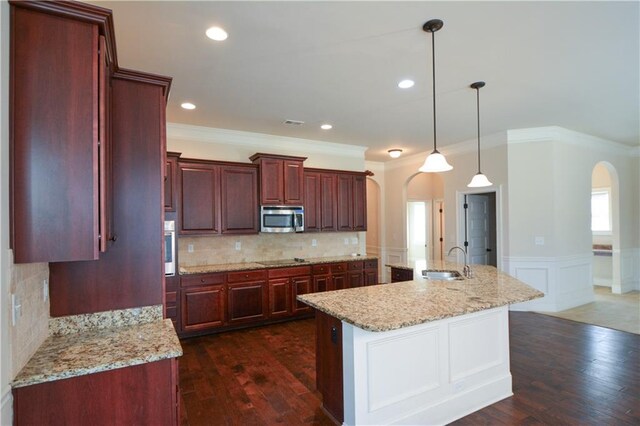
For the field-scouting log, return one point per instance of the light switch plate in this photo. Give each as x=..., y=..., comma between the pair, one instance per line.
x=190, y=248
x=45, y=289
x=314, y=242
x=238, y=245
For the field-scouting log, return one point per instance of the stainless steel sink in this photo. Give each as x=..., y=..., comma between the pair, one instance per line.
x=438, y=274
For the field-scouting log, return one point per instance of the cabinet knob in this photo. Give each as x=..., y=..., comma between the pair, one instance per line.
x=201, y=280
x=113, y=238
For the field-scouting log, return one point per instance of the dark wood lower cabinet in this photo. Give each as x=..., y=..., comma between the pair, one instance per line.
x=144, y=394
x=247, y=302
x=222, y=301
x=203, y=307
x=399, y=275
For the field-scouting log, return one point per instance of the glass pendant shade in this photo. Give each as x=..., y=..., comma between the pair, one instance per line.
x=435, y=163
x=478, y=181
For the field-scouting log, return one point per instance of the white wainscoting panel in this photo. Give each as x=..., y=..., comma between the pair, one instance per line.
x=415, y=373
x=403, y=376
x=629, y=270
x=6, y=407
x=482, y=337
x=566, y=281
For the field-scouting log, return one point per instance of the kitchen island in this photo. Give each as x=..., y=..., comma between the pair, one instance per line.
x=417, y=352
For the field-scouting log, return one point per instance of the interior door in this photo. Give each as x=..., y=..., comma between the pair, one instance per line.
x=481, y=229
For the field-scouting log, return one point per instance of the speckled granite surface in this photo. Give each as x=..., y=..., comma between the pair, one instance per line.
x=230, y=267
x=117, y=318
x=392, y=306
x=92, y=351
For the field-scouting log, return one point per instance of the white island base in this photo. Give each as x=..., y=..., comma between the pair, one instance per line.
x=427, y=374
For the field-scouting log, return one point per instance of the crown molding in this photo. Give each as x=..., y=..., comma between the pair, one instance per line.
x=213, y=135
x=561, y=134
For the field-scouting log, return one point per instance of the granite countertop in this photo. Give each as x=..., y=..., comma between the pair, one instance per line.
x=391, y=306
x=230, y=267
x=99, y=349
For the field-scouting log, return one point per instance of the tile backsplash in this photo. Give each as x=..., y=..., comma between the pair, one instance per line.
x=250, y=248
x=32, y=326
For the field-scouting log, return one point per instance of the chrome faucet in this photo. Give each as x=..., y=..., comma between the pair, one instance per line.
x=466, y=270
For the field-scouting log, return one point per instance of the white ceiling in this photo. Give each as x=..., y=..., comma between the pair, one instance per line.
x=569, y=64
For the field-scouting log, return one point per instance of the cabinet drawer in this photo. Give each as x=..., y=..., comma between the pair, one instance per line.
x=171, y=297
x=336, y=268
x=289, y=272
x=172, y=312
x=241, y=276
x=201, y=279
x=371, y=264
x=355, y=266
x=323, y=268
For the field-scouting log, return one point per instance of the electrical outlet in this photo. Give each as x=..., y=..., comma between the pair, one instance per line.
x=539, y=241
x=190, y=248
x=458, y=386
x=45, y=289
x=354, y=240
x=238, y=245
x=314, y=242
x=346, y=241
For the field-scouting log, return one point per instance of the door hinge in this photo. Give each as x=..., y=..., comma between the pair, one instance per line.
x=466, y=243
x=466, y=206
x=441, y=239
x=440, y=210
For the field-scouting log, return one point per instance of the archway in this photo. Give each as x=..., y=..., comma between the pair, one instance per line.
x=605, y=226
x=424, y=213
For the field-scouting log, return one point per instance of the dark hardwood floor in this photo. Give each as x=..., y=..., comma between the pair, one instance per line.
x=564, y=373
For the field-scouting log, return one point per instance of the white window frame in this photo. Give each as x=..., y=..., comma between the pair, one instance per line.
x=606, y=190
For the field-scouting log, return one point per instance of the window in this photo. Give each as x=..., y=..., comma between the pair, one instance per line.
x=601, y=211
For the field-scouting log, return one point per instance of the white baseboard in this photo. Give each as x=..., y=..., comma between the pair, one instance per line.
x=602, y=282
x=6, y=407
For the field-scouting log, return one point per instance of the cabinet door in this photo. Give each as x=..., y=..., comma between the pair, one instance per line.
x=370, y=276
x=271, y=182
x=199, y=199
x=339, y=281
x=105, y=148
x=293, y=183
x=247, y=302
x=344, y=186
x=239, y=199
x=355, y=279
x=169, y=185
x=279, y=297
x=301, y=285
x=54, y=138
x=203, y=307
x=312, y=202
x=322, y=283
x=328, y=202
x=359, y=203
x=399, y=275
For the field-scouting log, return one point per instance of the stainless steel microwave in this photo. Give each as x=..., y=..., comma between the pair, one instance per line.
x=281, y=219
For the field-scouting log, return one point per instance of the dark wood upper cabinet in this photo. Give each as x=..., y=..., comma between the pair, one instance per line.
x=131, y=272
x=59, y=111
x=239, y=199
x=359, y=203
x=311, y=202
x=170, y=181
x=200, y=198
x=281, y=179
x=345, y=202
x=218, y=197
x=328, y=202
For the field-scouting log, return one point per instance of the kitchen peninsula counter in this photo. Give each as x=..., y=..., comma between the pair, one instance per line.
x=93, y=343
x=397, y=305
x=416, y=352
x=285, y=263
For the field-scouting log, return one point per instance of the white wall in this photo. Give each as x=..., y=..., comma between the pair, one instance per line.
x=550, y=171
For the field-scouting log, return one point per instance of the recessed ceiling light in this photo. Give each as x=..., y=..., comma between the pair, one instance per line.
x=188, y=105
x=326, y=126
x=406, y=84
x=217, y=34
x=395, y=153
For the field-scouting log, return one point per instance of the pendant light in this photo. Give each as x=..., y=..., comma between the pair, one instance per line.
x=435, y=161
x=479, y=180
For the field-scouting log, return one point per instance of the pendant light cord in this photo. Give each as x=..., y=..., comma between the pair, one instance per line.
x=433, y=62
x=478, y=108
